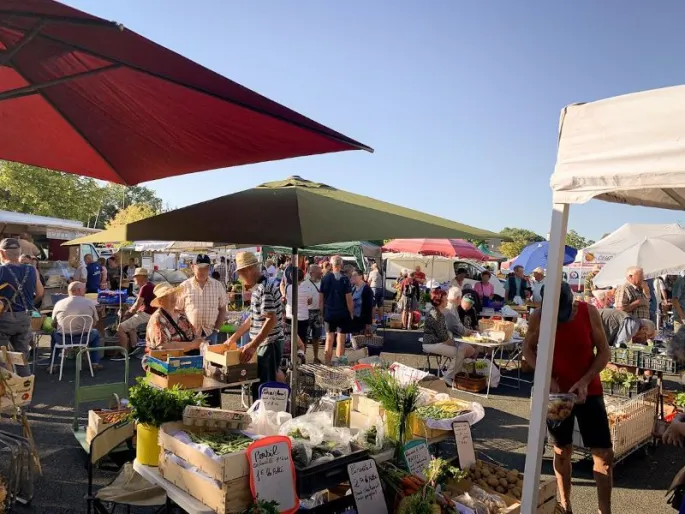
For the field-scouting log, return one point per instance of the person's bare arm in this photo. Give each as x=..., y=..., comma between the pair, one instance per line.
x=530, y=343
x=350, y=304
x=40, y=290
x=599, y=340
x=221, y=317
x=677, y=307
x=240, y=332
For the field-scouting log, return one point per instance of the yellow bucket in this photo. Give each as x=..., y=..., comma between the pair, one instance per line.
x=147, y=445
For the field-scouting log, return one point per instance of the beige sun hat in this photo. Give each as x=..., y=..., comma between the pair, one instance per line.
x=141, y=272
x=540, y=270
x=245, y=260
x=161, y=290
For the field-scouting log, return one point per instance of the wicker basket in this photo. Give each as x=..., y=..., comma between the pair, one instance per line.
x=470, y=383
x=362, y=341
x=37, y=323
x=497, y=325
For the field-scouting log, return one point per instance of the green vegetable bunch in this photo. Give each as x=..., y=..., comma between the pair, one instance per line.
x=154, y=407
x=680, y=400
x=621, y=377
x=262, y=507
x=222, y=443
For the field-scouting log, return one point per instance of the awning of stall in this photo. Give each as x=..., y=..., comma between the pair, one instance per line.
x=357, y=249
x=87, y=96
x=629, y=149
x=294, y=213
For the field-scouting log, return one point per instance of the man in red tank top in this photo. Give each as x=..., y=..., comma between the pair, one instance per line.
x=575, y=369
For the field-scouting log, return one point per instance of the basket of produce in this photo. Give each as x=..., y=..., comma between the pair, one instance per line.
x=441, y=414
x=37, y=321
x=626, y=356
x=470, y=380
x=559, y=407
x=624, y=383
x=662, y=363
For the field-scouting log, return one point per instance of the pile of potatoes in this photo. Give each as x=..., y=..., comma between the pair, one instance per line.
x=497, y=479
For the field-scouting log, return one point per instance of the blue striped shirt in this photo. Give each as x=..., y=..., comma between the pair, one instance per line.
x=266, y=298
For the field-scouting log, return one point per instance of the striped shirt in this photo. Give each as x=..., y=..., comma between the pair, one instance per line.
x=266, y=298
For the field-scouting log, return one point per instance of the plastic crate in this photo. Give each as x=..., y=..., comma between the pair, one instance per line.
x=629, y=392
x=328, y=474
x=626, y=357
x=662, y=363
x=112, y=297
x=338, y=506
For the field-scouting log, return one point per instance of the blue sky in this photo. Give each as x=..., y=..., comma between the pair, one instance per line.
x=460, y=100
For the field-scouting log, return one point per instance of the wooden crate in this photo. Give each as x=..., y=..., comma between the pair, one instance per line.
x=225, y=469
x=215, y=418
x=183, y=381
x=220, y=354
x=368, y=407
x=231, y=498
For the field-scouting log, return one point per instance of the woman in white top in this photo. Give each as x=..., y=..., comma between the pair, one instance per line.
x=304, y=299
x=376, y=285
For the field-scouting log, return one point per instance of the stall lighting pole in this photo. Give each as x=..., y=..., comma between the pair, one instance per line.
x=543, y=364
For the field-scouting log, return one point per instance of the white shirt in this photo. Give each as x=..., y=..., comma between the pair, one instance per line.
x=202, y=304
x=314, y=289
x=537, y=289
x=303, y=295
x=271, y=271
x=375, y=279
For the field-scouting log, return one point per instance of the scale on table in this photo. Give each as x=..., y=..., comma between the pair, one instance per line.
x=336, y=381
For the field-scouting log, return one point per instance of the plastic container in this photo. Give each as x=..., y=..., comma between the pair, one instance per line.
x=559, y=407
x=326, y=475
x=147, y=445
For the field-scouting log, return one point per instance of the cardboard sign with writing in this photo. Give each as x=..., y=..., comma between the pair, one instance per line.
x=366, y=487
x=465, y=450
x=417, y=457
x=274, y=398
x=272, y=472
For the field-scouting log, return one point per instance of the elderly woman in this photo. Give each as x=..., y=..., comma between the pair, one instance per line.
x=484, y=288
x=169, y=329
x=467, y=314
x=437, y=339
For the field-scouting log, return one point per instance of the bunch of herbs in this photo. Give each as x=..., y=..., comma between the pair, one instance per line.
x=154, y=407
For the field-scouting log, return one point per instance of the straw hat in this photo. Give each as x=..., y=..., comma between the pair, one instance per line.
x=161, y=290
x=141, y=272
x=245, y=260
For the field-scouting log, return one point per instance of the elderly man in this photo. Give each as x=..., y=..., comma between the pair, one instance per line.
x=221, y=270
x=314, y=329
x=93, y=274
x=630, y=297
x=536, y=286
x=73, y=329
x=335, y=299
x=589, y=284
x=452, y=319
x=20, y=287
x=265, y=322
x=621, y=329
x=204, y=300
x=139, y=313
x=678, y=301
x=517, y=285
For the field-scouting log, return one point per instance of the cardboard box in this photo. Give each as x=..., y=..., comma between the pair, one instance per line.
x=16, y=391
x=231, y=498
x=366, y=406
x=227, y=468
x=418, y=428
x=183, y=381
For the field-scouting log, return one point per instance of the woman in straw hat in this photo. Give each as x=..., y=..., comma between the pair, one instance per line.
x=169, y=329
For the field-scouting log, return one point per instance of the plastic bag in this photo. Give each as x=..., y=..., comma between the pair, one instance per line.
x=466, y=500
x=508, y=312
x=492, y=502
x=483, y=367
x=427, y=397
x=309, y=427
x=372, y=435
x=266, y=422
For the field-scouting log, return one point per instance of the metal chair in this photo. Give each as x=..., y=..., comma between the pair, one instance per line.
x=73, y=339
x=440, y=361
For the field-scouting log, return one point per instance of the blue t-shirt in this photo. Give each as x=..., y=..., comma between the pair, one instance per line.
x=94, y=277
x=20, y=288
x=334, y=289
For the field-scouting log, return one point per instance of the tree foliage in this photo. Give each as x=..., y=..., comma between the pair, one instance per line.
x=135, y=212
x=33, y=190
x=520, y=238
x=575, y=240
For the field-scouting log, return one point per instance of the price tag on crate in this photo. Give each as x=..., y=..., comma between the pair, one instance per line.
x=366, y=487
x=274, y=396
x=417, y=457
x=272, y=472
x=465, y=450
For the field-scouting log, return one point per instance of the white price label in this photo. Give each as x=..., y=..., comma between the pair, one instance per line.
x=367, y=488
x=275, y=398
x=465, y=450
x=418, y=457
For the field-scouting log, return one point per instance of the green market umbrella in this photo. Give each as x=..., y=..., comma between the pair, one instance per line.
x=294, y=213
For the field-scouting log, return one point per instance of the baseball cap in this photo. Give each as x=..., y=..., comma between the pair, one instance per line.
x=203, y=260
x=9, y=243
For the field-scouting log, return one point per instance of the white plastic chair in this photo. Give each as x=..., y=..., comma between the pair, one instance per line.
x=76, y=339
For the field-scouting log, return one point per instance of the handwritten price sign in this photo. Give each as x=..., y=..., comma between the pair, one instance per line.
x=274, y=398
x=418, y=457
x=367, y=488
x=465, y=450
x=272, y=473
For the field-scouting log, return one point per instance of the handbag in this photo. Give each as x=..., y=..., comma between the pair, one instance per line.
x=677, y=492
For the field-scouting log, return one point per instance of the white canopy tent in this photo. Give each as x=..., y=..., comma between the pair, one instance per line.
x=630, y=150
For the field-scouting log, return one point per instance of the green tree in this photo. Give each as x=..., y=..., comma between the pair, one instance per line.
x=135, y=212
x=575, y=240
x=520, y=238
x=117, y=196
x=33, y=190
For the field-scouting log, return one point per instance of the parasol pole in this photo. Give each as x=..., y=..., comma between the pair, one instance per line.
x=293, y=332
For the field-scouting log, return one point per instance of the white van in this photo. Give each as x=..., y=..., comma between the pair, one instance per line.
x=442, y=269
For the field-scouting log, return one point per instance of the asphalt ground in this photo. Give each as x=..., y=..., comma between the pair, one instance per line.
x=641, y=480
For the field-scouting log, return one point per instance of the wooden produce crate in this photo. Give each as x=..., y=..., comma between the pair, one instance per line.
x=233, y=497
x=232, y=369
x=215, y=418
x=225, y=469
x=366, y=406
x=111, y=435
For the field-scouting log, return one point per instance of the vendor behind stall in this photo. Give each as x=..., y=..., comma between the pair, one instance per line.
x=169, y=329
x=620, y=328
x=265, y=323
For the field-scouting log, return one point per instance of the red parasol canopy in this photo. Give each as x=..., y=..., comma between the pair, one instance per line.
x=86, y=96
x=444, y=247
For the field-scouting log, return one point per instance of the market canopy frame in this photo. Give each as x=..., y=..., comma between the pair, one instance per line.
x=357, y=249
x=84, y=95
x=631, y=150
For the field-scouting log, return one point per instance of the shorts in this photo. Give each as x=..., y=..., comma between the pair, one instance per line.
x=132, y=323
x=407, y=304
x=268, y=359
x=339, y=325
x=302, y=329
x=314, y=327
x=593, y=424
x=378, y=296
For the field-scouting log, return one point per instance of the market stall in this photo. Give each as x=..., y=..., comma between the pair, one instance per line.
x=626, y=150
x=361, y=251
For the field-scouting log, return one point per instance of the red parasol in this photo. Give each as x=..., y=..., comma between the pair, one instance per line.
x=87, y=96
x=444, y=247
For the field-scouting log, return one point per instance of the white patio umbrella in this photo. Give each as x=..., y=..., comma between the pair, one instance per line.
x=655, y=256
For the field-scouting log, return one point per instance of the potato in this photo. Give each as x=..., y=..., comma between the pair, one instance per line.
x=516, y=493
x=482, y=483
x=492, y=481
x=473, y=468
x=511, y=486
x=500, y=489
x=503, y=482
x=485, y=472
x=512, y=477
x=519, y=483
x=477, y=474
x=501, y=473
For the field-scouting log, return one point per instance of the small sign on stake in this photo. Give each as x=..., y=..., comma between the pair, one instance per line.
x=274, y=398
x=417, y=457
x=272, y=472
x=366, y=487
x=465, y=450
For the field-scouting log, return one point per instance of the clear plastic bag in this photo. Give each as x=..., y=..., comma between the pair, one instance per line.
x=266, y=422
x=309, y=428
x=492, y=502
x=466, y=500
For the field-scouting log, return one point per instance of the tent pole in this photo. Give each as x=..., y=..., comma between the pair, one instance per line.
x=293, y=335
x=543, y=369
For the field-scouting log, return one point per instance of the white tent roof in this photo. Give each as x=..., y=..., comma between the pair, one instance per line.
x=628, y=149
x=628, y=235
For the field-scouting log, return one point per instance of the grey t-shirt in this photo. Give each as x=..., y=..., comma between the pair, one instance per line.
x=73, y=306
